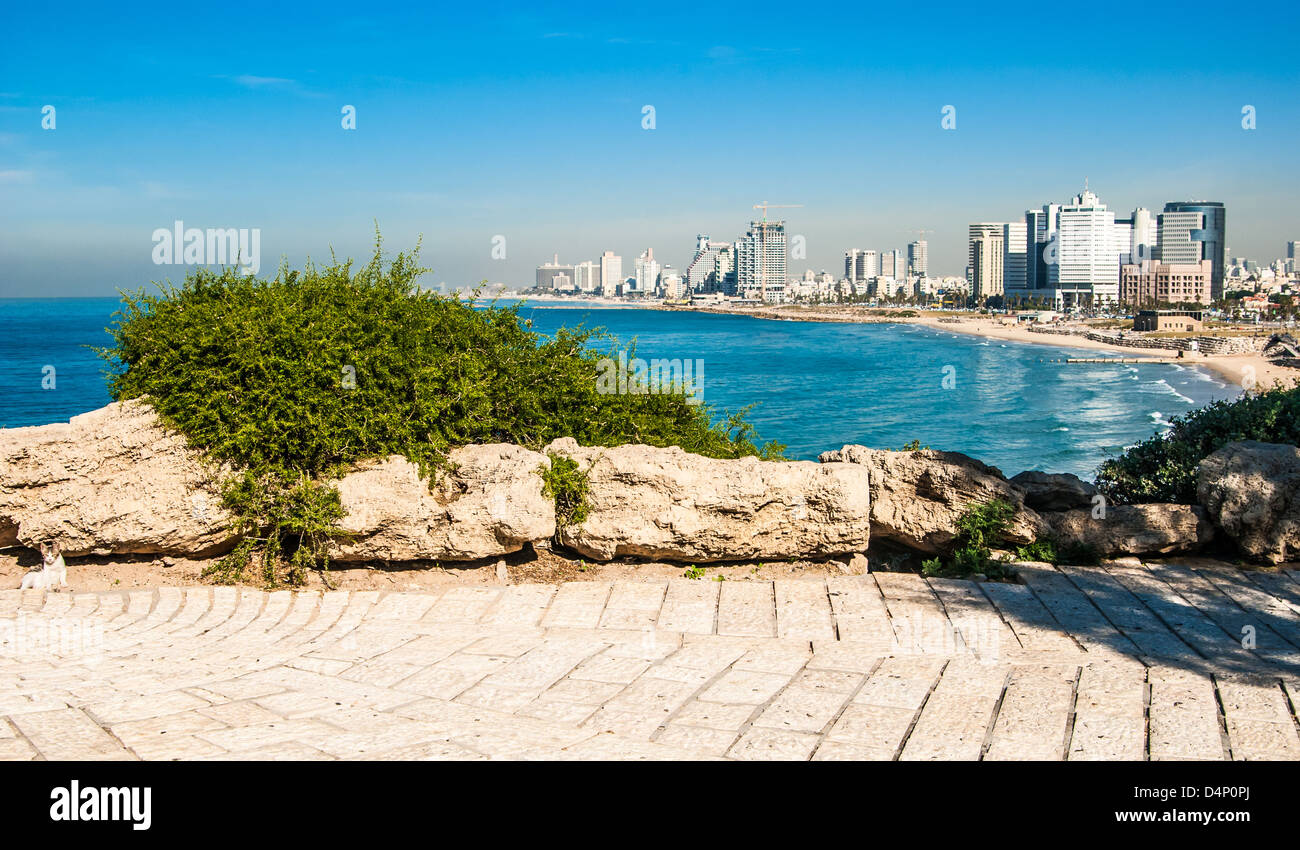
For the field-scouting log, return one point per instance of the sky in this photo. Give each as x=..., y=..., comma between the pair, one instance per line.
x=521, y=126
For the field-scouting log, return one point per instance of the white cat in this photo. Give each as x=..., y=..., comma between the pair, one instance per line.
x=53, y=571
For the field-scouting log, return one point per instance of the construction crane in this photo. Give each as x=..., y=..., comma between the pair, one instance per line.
x=765, y=206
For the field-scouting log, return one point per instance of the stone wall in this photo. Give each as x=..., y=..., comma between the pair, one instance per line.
x=1203, y=344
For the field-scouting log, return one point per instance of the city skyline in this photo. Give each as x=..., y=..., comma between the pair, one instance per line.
x=532, y=127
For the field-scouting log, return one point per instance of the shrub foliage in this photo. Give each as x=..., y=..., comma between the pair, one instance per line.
x=1163, y=467
x=289, y=380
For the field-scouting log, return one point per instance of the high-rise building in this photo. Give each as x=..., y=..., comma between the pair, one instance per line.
x=760, y=262
x=611, y=274
x=1040, y=245
x=1087, y=261
x=1014, y=248
x=893, y=264
x=702, y=271
x=1193, y=231
x=586, y=276
x=548, y=272
x=987, y=247
x=724, y=269
x=917, y=258
x=1145, y=238
x=851, y=263
x=647, y=272
x=983, y=271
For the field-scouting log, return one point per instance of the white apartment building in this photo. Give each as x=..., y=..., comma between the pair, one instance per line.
x=1087, y=256
x=647, y=272
x=586, y=277
x=611, y=274
x=985, y=258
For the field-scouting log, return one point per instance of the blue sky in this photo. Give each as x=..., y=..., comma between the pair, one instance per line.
x=525, y=121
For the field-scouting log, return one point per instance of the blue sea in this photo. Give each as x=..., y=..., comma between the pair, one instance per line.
x=815, y=386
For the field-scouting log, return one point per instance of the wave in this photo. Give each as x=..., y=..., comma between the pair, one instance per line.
x=1163, y=386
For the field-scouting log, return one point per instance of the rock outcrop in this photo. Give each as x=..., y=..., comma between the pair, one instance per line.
x=917, y=496
x=489, y=502
x=112, y=481
x=1251, y=491
x=1054, y=491
x=1155, y=529
x=666, y=503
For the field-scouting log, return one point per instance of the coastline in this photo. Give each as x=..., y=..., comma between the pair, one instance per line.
x=1243, y=370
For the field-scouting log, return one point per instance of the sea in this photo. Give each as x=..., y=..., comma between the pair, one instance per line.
x=810, y=385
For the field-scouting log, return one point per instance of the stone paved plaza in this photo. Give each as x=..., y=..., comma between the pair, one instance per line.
x=1122, y=662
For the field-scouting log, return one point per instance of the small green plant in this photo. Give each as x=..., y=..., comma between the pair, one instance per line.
x=719, y=578
x=979, y=528
x=913, y=446
x=693, y=572
x=281, y=524
x=567, y=484
x=1039, y=550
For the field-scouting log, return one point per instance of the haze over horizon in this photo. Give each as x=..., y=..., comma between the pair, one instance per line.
x=485, y=122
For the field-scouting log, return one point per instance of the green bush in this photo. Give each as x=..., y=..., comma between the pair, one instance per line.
x=567, y=485
x=1163, y=467
x=290, y=380
x=980, y=527
x=1039, y=550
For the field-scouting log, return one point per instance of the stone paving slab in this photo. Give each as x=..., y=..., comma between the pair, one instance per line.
x=1119, y=662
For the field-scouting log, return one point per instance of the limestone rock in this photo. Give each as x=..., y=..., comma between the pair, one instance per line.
x=1054, y=491
x=1251, y=491
x=669, y=504
x=1153, y=529
x=917, y=496
x=111, y=481
x=489, y=503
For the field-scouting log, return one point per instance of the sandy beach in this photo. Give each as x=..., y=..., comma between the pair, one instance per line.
x=1245, y=370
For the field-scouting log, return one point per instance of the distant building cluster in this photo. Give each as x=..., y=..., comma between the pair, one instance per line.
x=1076, y=255
x=1079, y=255
x=751, y=269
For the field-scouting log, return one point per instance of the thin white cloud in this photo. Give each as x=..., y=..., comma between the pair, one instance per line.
x=15, y=176
x=254, y=82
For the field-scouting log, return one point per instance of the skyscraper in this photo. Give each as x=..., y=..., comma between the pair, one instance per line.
x=760, y=262
x=1146, y=236
x=917, y=258
x=1087, y=262
x=702, y=271
x=893, y=265
x=1014, y=249
x=987, y=247
x=647, y=272
x=586, y=276
x=611, y=273
x=1195, y=231
x=1040, y=245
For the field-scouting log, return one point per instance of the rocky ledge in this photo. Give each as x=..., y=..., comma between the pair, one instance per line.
x=117, y=481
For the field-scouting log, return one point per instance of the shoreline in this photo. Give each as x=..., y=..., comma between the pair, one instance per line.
x=1242, y=370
